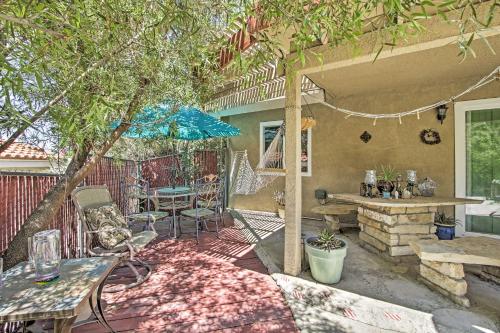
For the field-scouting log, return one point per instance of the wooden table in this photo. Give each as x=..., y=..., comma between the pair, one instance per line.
x=80, y=283
x=389, y=225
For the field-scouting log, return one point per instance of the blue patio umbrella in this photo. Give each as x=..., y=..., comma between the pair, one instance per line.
x=188, y=123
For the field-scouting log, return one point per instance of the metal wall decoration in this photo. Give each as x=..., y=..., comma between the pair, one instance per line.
x=430, y=137
x=365, y=137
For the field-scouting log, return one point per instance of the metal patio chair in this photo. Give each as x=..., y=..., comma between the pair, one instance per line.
x=138, y=203
x=216, y=205
x=94, y=197
x=207, y=201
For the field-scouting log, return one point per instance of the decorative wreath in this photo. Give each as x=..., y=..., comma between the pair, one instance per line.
x=430, y=136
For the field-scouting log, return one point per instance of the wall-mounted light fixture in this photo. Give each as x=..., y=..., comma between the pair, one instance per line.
x=441, y=112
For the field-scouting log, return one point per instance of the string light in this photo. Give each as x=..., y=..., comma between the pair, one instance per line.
x=494, y=75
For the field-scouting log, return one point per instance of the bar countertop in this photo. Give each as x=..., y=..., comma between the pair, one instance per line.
x=419, y=201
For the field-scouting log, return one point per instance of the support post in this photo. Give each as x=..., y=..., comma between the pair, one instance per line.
x=293, y=179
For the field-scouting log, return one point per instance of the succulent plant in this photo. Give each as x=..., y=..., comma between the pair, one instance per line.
x=327, y=241
x=387, y=173
x=443, y=219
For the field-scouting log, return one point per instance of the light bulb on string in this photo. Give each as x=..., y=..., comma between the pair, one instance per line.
x=492, y=76
x=400, y=121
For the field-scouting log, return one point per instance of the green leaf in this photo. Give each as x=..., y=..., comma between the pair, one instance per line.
x=38, y=78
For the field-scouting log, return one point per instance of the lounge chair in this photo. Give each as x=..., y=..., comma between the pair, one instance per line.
x=93, y=201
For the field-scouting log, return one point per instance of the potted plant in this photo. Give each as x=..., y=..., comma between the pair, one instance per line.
x=445, y=226
x=385, y=180
x=279, y=198
x=326, y=255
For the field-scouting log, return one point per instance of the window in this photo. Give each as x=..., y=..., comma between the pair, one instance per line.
x=268, y=131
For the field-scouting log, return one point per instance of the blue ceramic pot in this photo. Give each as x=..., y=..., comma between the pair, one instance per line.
x=445, y=232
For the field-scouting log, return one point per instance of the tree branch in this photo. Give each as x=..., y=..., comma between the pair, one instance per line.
x=39, y=114
x=30, y=24
x=79, y=167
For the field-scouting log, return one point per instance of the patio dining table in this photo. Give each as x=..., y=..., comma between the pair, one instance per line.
x=171, y=194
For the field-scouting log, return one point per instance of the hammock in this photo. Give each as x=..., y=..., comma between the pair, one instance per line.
x=245, y=180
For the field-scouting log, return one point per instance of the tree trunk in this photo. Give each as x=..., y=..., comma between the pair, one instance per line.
x=80, y=166
x=46, y=210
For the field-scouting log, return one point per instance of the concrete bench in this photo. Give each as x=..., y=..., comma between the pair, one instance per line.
x=441, y=266
x=331, y=212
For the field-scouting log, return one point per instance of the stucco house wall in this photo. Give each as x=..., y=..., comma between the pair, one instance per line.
x=339, y=157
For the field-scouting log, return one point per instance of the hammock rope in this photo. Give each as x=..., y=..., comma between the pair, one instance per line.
x=246, y=180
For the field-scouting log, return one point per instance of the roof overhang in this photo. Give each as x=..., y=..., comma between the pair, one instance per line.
x=19, y=163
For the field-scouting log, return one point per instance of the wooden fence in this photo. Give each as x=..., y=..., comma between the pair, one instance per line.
x=207, y=160
x=20, y=193
x=157, y=171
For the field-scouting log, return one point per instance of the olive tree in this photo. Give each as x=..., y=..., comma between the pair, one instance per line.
x=72, y=69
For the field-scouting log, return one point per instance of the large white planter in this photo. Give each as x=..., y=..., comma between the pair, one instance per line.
x=326, y=267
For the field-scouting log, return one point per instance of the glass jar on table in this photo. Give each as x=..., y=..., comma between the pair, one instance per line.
x=47, y=254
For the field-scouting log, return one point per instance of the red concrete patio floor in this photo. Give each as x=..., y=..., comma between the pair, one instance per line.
x=218, y=285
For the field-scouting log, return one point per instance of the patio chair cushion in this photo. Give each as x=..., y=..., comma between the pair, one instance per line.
x=145, y=216
x=109, y=224
x=207, y=204
x=167, y=205
x=138, y=241
x=200, y=212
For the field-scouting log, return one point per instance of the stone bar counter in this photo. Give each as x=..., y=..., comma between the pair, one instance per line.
x=388, y=225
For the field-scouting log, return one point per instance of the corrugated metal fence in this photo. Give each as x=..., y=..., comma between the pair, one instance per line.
x=21, y=193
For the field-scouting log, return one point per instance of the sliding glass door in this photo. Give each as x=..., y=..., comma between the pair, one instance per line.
x=477, y=126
